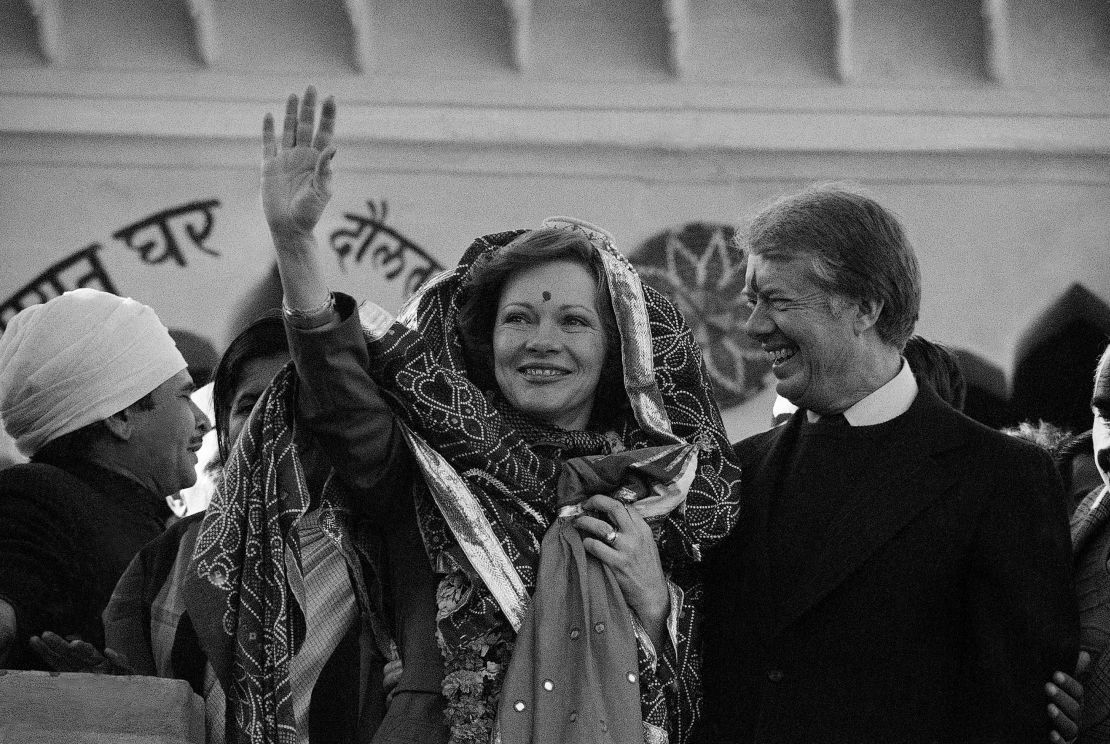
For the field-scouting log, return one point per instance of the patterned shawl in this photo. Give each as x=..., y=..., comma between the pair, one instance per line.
x=491, y=473
x=236, y=589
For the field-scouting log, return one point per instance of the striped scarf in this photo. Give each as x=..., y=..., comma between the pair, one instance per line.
x=246, y=588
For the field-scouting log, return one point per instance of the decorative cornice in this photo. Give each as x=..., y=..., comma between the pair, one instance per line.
x=48, y=20
x=678, y=35
x=845, y=16
x=358, y=15
x=680, y=130
x=520, y=20
x=204, y=30
x=996, y=40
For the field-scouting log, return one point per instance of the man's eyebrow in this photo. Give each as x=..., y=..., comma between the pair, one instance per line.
x=1101, y=401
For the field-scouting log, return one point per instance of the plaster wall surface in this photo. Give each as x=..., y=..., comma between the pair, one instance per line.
x=984, y=124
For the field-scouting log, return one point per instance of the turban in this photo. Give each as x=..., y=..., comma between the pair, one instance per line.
x=76, y=359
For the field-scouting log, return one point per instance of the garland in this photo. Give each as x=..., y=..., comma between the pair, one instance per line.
x=474, y=668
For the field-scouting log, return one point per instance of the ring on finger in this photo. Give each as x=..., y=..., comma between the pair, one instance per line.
x=610, y=537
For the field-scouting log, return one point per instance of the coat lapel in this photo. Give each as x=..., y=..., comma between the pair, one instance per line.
x=764, y=458
x=911, y=479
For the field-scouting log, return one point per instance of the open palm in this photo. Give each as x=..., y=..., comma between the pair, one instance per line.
x=296, y=174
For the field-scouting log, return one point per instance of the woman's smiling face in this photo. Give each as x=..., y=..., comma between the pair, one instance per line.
x=549, y=343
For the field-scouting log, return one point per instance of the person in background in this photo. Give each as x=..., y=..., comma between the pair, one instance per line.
x=244, y=372
x=94, y=391
x=1090, y=534
x=900, y=572
x=937, y=365
x=155, y=626
x=1046, y=435
x=1076, y=460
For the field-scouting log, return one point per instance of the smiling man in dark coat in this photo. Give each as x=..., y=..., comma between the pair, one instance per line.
x=900, y=573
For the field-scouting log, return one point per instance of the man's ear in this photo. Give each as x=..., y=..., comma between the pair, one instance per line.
x=867, y=315
x=121, y=425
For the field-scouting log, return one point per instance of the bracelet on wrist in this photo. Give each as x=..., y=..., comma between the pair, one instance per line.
x=311, y=318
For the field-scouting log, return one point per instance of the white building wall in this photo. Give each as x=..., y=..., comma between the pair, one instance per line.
x=984, y=124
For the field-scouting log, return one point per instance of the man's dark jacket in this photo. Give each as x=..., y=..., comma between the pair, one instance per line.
x=940, y=605
x=67, y=531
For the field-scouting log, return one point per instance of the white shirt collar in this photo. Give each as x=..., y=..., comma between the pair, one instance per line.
x=888, y=402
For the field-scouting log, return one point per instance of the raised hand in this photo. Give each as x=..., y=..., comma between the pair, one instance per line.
x=296, y=174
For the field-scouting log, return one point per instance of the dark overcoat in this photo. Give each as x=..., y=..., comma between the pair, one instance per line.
x=67, y=532
x=939, y=607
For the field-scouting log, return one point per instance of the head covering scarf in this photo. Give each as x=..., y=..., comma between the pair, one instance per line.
x=76, y=359
x=492, y=475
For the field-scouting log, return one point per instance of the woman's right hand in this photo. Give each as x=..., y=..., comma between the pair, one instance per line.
x=623, y=541
x=296, y=186
x=296, y=173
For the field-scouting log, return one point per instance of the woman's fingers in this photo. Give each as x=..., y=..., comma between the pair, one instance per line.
x=307, y=117
x=269, y=143
x=593, y=527
x=289, y=127
x=618, y=514
x=297, y=129
x=327, y=124
x=611, y=557
x=594, y=533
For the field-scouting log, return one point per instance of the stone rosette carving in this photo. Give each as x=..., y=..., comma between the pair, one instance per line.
x=699, y=267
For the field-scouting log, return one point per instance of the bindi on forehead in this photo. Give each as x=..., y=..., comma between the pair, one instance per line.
x=546, y=296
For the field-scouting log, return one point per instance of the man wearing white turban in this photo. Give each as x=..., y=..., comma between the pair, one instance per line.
x=94, y=391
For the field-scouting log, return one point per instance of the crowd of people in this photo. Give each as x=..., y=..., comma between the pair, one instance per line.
x=512, y=513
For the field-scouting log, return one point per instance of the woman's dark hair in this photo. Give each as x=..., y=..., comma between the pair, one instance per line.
x=939, y=366
x=481, y=294
x=263, y=338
